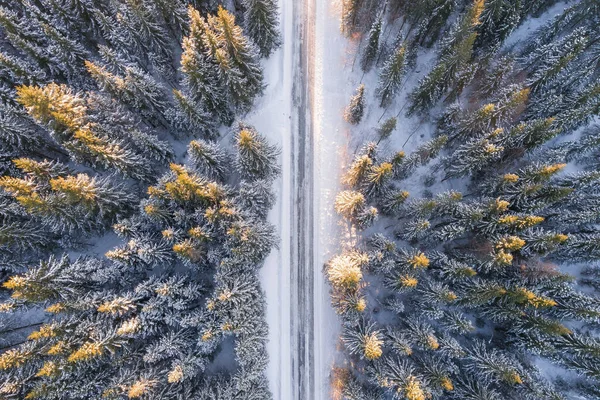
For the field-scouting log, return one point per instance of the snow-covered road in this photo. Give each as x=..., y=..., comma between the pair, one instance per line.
x=302, y=112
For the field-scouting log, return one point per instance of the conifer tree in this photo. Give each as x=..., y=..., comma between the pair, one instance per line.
x=66, y=115
x=202, y=76
x=209, y=158
x=135, y=88
x=260, y=22
x=454, y=58
x=350, y=15
x=392, y=74
x=371, y=50
x=355, y=110
x=256, y=159
x=349, y=203
x=498, y=19
x=386, y=129
x=363, y=340
x=190, y=116
x=19, y=71
x=476, y=154
x=240, y=67
x=435, y=14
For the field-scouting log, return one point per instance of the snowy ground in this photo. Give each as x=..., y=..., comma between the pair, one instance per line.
x=272, y=117
x=302, y=112
x=332, y=86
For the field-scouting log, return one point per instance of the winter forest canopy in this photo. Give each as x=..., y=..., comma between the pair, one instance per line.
x=134, y=200
x=474, y=274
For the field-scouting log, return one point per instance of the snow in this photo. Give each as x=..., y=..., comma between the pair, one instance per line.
x=334, y=74
x=332, y=88
x=529, y=26
x=272, y=118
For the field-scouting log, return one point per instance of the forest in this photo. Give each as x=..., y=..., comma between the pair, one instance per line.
x=474, y=273
x=136, y=198
x=133, y=199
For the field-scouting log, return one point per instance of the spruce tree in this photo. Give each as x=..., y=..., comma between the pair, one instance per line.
x=386, y=129
x=261, y=24
x=355, y=110
x=202, y=76
x=371, y=50
x=392, y=74
x=240, y=67
x=256, y=159
x=350, y=15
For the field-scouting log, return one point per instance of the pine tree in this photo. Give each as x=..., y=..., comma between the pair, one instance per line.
x=377, y=178
x=363, y=340
x=371, y=50
x=493, y=366
x=435, y=14
x=146, y=30
x=386, y=129
x=256, y=198
x=240, y=67
x=190, y=116
x=66, y=53
x=345, y=270
x=256, y=159
x=260, y=22
x=349, y=203
x=209, y=158
x=66, y=115
x=355, y=110
x=425, y=153
x=18, y=133
x=454, y=59
x=358, y=170
x=399, y=377
x=475, y=155
x=498, y=19
x=390, y=78
x=135, y=88
x=548, y=61
x=350, y=15
x=66, y=202
x=202, y=76
x=19, y=71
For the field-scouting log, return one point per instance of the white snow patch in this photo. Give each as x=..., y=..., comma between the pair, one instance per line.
x=271, y=116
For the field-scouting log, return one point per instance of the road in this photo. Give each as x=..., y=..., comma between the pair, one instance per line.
x=302, y=212
x=320, y=141
x=303, y=329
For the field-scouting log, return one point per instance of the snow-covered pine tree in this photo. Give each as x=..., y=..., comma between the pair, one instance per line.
x=386, y=129
x=262, y=25
x=392, y=74
x=355, y=110
x=202, y=75
x=371, y=50
x=243, y=75
x=256, y=159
